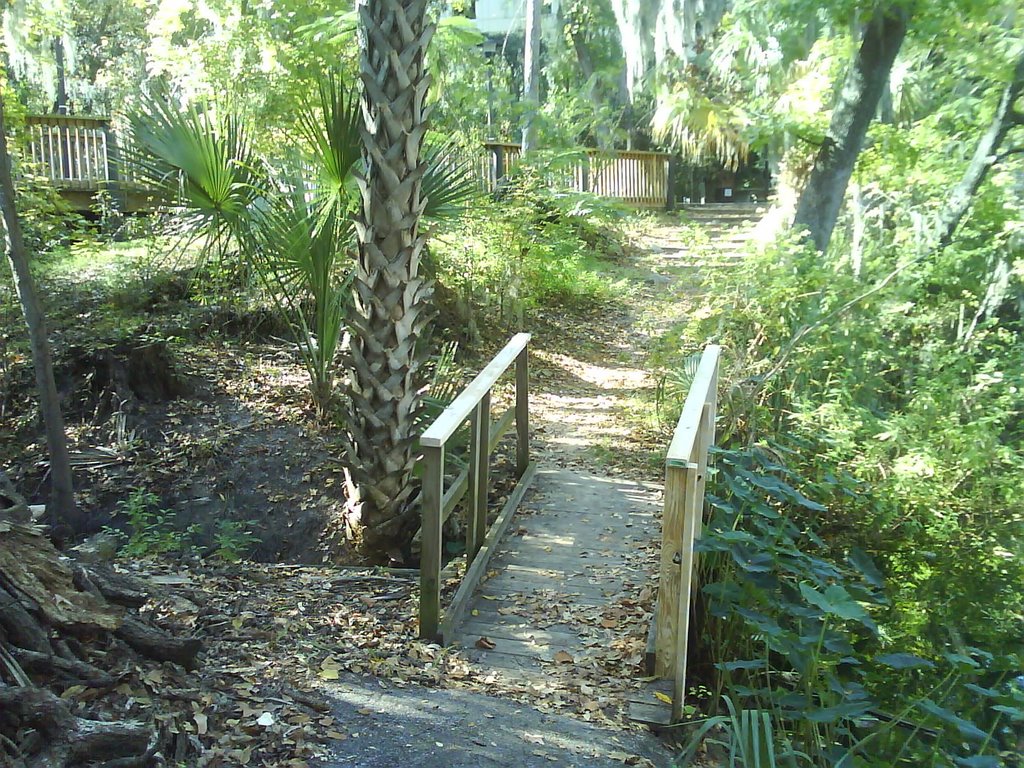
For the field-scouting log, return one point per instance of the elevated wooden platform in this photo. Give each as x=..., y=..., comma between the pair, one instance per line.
x=79, y=156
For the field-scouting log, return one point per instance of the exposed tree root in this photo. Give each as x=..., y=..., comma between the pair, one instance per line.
x=51, y=612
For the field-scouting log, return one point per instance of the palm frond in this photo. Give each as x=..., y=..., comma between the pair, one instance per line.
x=330, y=127
x=702, y=129
x=204, y=166
x=450, y=183
x=300, y=256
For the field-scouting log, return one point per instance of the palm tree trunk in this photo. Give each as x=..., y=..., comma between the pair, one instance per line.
x=392, y=297
x=61, y=511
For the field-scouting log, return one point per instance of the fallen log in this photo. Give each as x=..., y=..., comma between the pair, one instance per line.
x=67, y=739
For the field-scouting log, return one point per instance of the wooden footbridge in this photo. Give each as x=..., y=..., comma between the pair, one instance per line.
x=573, y=547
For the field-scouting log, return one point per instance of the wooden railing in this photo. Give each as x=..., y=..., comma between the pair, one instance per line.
x=638, y=178
x=72, y=151
x=685, y=476
x=474, y=404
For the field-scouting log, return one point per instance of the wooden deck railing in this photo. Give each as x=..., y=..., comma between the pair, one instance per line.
x=81, y=154
x=474, y=404
x=638, y=178
x=74, y=152
x=685, y=476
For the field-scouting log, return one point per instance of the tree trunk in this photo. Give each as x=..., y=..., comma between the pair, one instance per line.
x=62, y=509
x=822, y=198
x=531, y=75
x=60, y=105
x=392, y=297
x=958, y=203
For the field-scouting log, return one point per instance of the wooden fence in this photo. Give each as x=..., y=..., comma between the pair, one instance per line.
x=76, y=152
x=637, y=178
x=80, y=156
x=685, y=476
x=474, y=404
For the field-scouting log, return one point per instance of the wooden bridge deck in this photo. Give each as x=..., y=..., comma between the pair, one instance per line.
x=571, y=563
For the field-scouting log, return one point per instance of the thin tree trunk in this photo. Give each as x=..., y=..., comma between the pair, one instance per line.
x=392, y=295
x=62, y=508
x=985, y=156
x=822, y=198
x=531, y=75
x=61, y=103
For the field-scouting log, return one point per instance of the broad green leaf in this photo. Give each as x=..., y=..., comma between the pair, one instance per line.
x=903, y=661
x=967, y=729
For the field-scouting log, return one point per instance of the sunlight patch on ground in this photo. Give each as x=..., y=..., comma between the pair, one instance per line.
x=600, y=376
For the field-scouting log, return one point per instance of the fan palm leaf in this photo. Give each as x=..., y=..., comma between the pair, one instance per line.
x=330, y=127
x=450, y=183
x=204, y=166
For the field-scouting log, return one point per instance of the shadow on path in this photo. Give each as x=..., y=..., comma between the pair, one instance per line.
x=428, y=728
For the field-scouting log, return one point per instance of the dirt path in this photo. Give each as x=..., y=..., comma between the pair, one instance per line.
x=593, y=388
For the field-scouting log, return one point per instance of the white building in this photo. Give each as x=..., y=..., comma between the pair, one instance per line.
x=508, y=17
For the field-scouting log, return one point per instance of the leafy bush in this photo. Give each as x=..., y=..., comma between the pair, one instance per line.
x=899, y=393
x=150, y=530
x=534, y=246
x=794, y=635
x=233, y=540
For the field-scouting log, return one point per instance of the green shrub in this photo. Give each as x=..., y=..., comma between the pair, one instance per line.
x=150, y=530
x=795, y=635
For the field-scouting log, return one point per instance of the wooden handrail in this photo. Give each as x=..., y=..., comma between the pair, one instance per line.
x=685, y=477
x=473, y=403
x=684, y=438
x=82, y=121
x=637, y=177
x=454, y=415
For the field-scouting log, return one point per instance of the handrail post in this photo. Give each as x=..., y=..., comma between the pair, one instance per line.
x=672, y=527
x=430, y=554
x=522, y=411
x=476, y=531
x=693, y=521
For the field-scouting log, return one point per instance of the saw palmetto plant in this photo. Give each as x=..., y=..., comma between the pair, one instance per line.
x=287, y=219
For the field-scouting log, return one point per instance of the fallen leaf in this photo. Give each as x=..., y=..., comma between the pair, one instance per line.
x=663, y=697
x=563, y=657
x=533, y=738
x=266, y=720
x=201, y=723
x=486, y=643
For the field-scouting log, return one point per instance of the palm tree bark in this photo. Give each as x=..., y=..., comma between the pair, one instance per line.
x=392, y=296
x=61, y=511
x=822, y=198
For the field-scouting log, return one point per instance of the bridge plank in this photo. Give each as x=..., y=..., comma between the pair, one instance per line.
x=568, y=558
